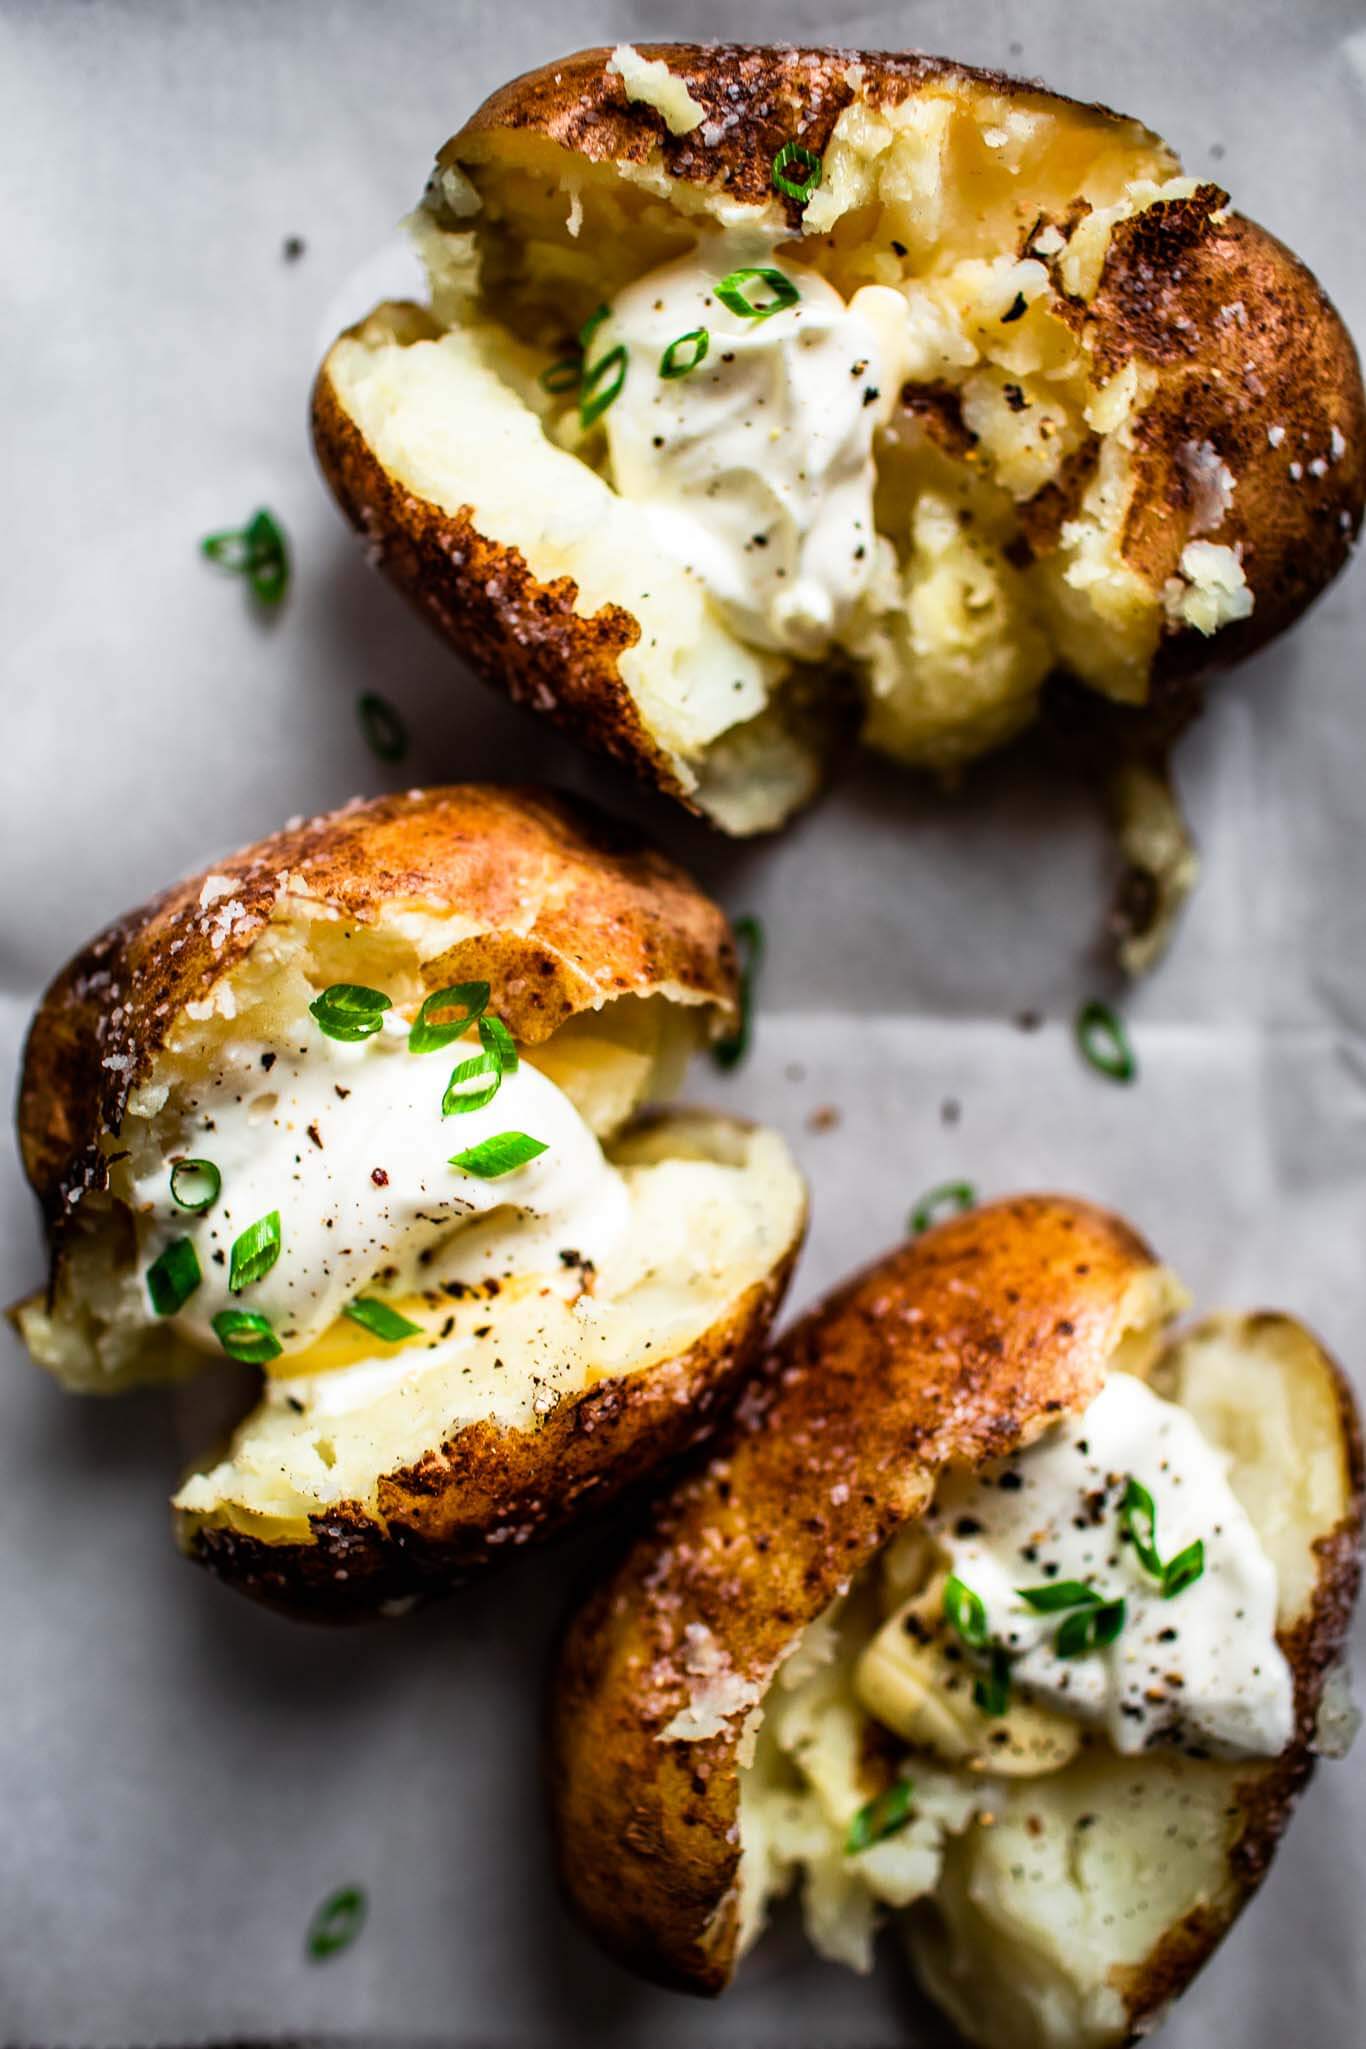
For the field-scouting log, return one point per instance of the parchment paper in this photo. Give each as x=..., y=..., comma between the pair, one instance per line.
x=182, y=1777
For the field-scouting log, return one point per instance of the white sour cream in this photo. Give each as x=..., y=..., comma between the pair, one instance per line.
x=1202, y=1669
x=755, y=469
x=349, y=1144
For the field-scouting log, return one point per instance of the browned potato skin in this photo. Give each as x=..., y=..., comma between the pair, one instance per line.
x=1169, y=274
x=957, y=1347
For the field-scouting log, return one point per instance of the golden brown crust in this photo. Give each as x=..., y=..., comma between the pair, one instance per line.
x=956, y=1347
x=578, y=910
x=489, y=1490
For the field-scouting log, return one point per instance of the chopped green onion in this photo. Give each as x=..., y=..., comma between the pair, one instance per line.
x=246, y=1335
x=173, y=1277
x=337, y=1923
x=561, y=376
x=1089, y=1629
x=256, y=551
x=347, y=1011
x=433, y=1028
x=950, y=1198
x=733, y=292
x=1060, y=1593
x=882, y=1816
x=730, y=1051
x=457, y=1100
x=965, y=1612
x=591, y=326
x=808, y=167
x=255, y=1252
x=671, y=363
x=502, y=1154
x=495, y=1038
x=991, y=1693
x=380, y=1320
x=195, y=1184
x=601, y=384
x=1104, y=1042
x=383, y=728
x=1184, y=1570
x=1138, y=1520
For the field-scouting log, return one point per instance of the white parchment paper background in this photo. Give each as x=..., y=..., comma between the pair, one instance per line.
x=182, y=1777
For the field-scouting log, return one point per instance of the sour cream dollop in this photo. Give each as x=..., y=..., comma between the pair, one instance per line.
x=347, y=1141
x=755, y=468
x=1202, y=1668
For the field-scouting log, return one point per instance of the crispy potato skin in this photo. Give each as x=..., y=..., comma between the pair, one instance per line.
x=574, y=908
x=957, y=1347
x=1243, y=337
x=489, y=1491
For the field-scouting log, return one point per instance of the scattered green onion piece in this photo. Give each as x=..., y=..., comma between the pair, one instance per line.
x=458, y=1101
x=1104, y=1041
x=337, y=1923
x=562, y=376
x=670, y=364
x=601, y=385
x=1138, y=1520
x=502, y=1154
x=173, y=1277
x=1059, y=1594
x=965, y=1612
x=809, y=167
x=347, y=1011
x=246, y=1335
x=1089, y=1629
x=732, y=293
x=951, y=1198
x=195, y=1184
x=1184, y=1570
x=882, y=1816
x=729, y=1052
x=591, y=326
x=254, y=1253
x=495, y=1038
x=380, y=1320
x=256, y=551
x=431, y=1030
x=991, y=1692
x=384, y=730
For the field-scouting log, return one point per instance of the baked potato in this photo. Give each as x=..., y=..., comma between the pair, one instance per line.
x=479, y=1312
x=997, y=1608
x=762, y=391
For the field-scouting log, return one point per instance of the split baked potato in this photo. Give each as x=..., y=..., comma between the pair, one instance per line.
x=999, y=1612
x=765, y=390
x=369, y=1105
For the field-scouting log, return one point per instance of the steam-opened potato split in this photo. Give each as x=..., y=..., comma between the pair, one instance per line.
x=375, y=1106
x=998, y=1611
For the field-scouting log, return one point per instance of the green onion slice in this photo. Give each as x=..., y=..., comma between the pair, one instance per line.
x=337, y=1923
x=591, y=326
x=991, y=1693
x=950, y=1198
x=195, y=1184
x=966, y=1613
x=256, y=551
x=380, y=1320
x=673, y=362
x=173, y=1277
x=601, y=384
x=382, y=726
x=1059, y=1594
x=807, y=165
x=459, y=1100
x=737, y=292
x=749, y=933
x=254, y=1253
x=349, y=1011
x=495, y=1038
x=434, y=1027
x=1104, y=1041
x=882, y=1816
x=1138, y=1520
x=502, y=1154
x=1184, y=1570
x=562, y=376
x=246, y=1335
x=1089, y=1629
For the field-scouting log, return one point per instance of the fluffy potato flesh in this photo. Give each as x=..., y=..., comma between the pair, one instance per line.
x=1047, y=1908
x=1000, y=470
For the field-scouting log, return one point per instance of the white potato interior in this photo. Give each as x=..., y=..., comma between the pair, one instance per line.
x=961, y=198
x=1037, y=1900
